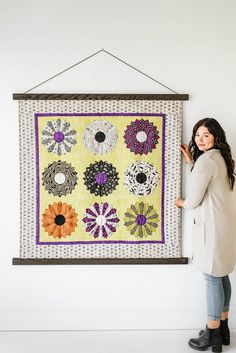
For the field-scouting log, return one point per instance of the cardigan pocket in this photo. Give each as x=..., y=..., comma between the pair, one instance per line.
x=198, y=247
x=198, y=231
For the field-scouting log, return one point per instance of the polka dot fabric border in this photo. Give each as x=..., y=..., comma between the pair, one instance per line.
x=172, y=221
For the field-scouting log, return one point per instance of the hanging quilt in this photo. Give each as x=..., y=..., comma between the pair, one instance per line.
x=99, y=177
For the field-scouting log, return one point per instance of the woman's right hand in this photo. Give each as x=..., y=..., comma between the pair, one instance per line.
x=187, y=155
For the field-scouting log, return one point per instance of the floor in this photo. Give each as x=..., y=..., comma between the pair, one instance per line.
x=150, y=341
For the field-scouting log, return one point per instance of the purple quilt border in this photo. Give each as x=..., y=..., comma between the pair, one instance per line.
x=38, y=242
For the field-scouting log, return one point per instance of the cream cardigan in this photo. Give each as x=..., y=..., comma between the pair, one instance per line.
x=214, y=215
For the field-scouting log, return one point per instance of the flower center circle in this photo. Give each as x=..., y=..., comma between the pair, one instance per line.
x=141, y=136
x=101, y=220
x=60, y=219
x=60, y=178
x=59, y=136
x=101, y=178
x=100, y=136
x=141, y=220
x=141, y=178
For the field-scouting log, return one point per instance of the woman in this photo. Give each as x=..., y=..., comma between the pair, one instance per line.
x=214, y=225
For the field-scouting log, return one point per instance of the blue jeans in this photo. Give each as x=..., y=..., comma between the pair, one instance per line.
x=218, y=294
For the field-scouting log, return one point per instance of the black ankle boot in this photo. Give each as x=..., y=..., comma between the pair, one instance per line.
x=224, y=331
x=210, y=338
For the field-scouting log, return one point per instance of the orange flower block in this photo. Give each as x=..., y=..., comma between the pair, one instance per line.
x=59, y=220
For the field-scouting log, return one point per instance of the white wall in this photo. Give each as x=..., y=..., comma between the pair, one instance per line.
x=187, y=44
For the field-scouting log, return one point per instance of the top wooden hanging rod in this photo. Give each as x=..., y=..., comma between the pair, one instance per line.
x=100, y=96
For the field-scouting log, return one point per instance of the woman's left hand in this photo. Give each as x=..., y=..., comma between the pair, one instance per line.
x=179, y=202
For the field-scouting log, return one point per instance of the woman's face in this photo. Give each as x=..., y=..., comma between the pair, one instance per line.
x=204, y=139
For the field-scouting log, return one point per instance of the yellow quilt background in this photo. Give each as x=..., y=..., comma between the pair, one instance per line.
x=80, y=158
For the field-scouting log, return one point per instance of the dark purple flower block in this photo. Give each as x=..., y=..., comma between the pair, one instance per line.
x=136, y=145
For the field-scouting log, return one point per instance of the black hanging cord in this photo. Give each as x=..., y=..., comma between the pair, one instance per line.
x=89, y=57
x=62, y=72
x=141, y=72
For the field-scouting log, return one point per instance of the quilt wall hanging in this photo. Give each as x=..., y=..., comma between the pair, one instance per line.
x=99, y=177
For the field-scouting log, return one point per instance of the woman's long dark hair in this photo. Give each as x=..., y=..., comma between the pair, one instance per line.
x=220, y=143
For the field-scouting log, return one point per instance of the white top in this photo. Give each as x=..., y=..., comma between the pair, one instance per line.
x=214, y=215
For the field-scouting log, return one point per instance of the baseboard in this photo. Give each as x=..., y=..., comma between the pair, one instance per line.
x=104, y=320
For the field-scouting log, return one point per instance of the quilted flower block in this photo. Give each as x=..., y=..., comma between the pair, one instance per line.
x=58, y=137
x=141, y=136
x=100, y=178
x=59, y=178
x=141, y=220
x=59, y=220
x=101, y=220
